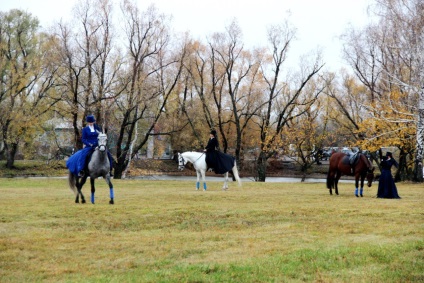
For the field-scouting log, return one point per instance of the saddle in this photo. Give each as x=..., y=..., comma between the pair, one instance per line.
x=351, y=160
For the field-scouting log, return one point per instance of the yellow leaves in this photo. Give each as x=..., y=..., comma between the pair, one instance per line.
x=379, y=133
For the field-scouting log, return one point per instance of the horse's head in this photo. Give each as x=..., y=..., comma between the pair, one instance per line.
x=102, y=139
x=370, y=176
x=181, y=162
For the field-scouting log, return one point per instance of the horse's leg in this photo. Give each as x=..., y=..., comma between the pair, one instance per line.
x=330, y=181
x=93, y=189
x=362, y=185
x=79, y=187
x=225, y=187
x=336, y=182
x=203, y=172
x=110, y=189
x=356, y=184
x=198, y=180
x=78, y=194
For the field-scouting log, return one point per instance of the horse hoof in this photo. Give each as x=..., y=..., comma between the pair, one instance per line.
x=111, y=201
x=356, y=195
x=361, y=195
x=83, y=201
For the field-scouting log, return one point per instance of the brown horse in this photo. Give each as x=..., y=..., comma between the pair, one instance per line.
x=340, y=165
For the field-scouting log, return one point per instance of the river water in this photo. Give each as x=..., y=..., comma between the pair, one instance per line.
x=245, y=179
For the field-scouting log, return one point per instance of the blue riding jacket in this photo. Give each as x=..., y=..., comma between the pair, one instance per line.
x=77, y=162
x=89, y=138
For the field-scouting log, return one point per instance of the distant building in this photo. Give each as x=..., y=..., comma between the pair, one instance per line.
x=57, y=142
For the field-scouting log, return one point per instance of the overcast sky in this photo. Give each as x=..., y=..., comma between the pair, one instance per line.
x=319, y=23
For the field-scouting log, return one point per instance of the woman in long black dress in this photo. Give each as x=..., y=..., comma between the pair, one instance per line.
x=220, y=162
x=386, y=184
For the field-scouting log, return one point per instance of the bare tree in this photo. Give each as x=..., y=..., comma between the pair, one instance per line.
x=200, y=82
x=89, y=65
x=222, y=81
x=397, y=65
x=284, y=101
x=152, y=75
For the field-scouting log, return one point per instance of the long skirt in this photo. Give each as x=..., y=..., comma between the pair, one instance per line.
x=76, y=162
x=386, y=185
x=220, y=162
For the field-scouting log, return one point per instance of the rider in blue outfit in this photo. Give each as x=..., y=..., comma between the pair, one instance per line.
x=89, y=132
x=78, y=162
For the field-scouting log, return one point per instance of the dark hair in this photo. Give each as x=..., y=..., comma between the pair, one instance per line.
x=389, y=154
x=213, y=132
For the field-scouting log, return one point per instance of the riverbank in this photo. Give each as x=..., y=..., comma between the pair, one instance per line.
x=157, y=167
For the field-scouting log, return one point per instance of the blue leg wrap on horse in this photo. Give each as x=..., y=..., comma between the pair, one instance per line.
x=111, y=192
x=197, y=185
x=204, y=186
x=362, y=190
x=356, y=191
x=92, y=198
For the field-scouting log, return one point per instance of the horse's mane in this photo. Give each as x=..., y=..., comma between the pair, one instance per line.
x=369, y=163
x=195, y=152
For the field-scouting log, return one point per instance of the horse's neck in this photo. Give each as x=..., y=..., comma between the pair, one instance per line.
x=101, y=155
x=366, y=160
x=192, y=156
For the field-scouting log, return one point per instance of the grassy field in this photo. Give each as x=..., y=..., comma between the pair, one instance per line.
x=165, y=231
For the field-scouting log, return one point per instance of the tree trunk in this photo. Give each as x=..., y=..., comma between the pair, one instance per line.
x=11, y=150
x=119, y=169
x=261, y=167
x=402, y=172
x=420, y=139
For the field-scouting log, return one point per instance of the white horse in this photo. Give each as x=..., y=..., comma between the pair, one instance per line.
x=198, y=160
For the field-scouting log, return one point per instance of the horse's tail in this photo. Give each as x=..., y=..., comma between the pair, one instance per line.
x=72, y=183
x=330, y=180
x=236, y=174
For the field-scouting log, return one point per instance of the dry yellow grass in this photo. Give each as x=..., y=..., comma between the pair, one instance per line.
x=165, y=231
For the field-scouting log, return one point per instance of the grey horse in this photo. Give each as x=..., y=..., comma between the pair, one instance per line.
x=98, y=166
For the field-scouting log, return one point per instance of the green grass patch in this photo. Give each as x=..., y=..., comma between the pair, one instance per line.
x=34, y=168
x=165, y=231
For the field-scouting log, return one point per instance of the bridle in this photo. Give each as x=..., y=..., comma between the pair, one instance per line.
x=102, y=138
x=181, y=162
x=370, y=170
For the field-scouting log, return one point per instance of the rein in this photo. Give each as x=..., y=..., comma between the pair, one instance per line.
x=183, y=160
x=199, y=157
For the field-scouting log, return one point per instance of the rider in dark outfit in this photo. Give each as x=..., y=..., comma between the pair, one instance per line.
x=386, y=184
x=220, y=162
